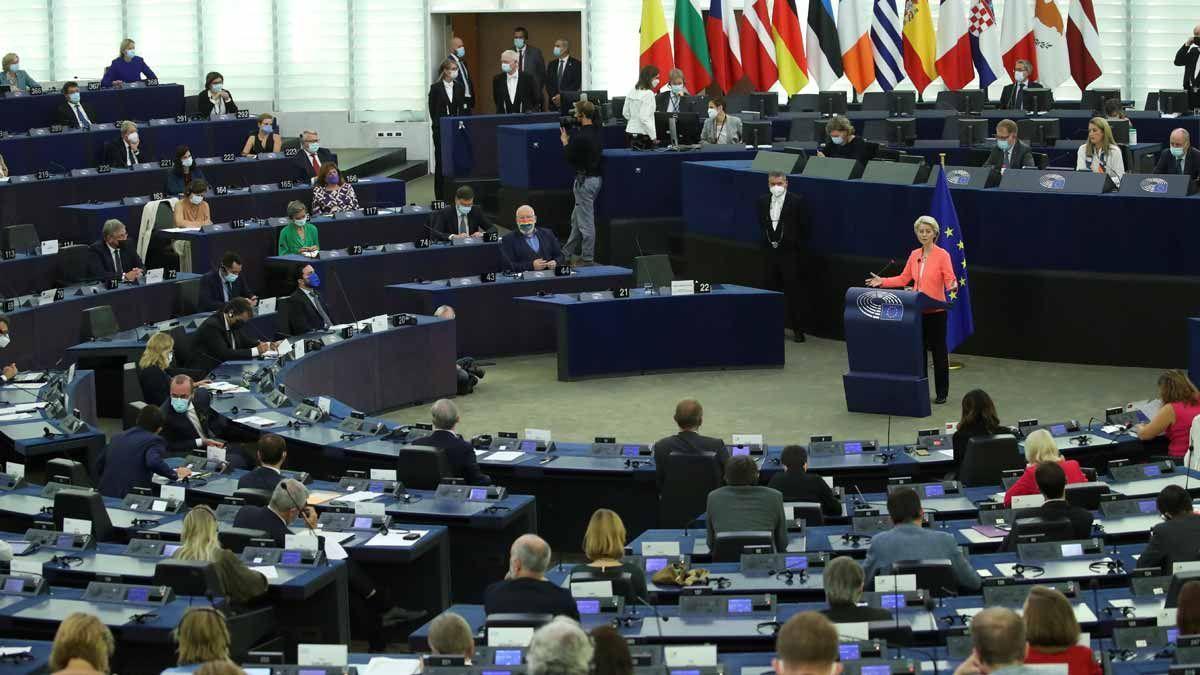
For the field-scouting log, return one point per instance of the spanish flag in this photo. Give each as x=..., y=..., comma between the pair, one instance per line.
x=920, y=45
x=656, y=41
x=789, y=46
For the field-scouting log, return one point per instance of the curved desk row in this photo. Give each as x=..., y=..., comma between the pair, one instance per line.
x=36, y=436
x=22, y=113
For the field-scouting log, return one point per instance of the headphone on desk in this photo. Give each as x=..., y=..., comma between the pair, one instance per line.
x=1020, y=569
x=1108, y=567
x=635, y=463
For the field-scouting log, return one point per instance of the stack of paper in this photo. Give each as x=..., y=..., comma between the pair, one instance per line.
x=397, y=538
x=256, y=421
x=226, y=388
x=504, y=456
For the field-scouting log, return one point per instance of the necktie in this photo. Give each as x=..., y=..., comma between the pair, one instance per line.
x=521, y=60
x=80, y=115
x=117, y=262
x=316, y=301
x=316, y=164
x=228, y=291
x=1007, y=157
x=195, y=420
x=462, y=225
x=562, y=68
x=1179, y=166
x=131, y=159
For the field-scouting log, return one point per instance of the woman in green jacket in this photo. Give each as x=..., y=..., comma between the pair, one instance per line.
x=298, y=237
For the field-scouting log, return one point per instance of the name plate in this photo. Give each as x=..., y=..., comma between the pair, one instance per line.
x=154, y=276
x=687, y=287
x=50, y=247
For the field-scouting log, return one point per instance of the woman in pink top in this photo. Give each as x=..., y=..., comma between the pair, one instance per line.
x=931, y=272
x=1181, y=403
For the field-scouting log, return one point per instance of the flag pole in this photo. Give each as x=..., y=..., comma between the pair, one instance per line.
x=954, y=365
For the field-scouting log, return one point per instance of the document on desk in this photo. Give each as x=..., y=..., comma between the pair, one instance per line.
x=14, y=651
x=267, y=571
x=256, y=421
x=17, y=417
x=384, y=665
x=505, y=456
x=397, y=538
x=976, y=537
x=226, y=388
x=363, y=496
x=25, y=407
x=179, y=229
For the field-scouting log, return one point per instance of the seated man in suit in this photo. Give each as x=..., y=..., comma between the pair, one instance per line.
x=312, y=156
x=1052, y=483
x=289, y=501
x=742, y=505
x=217, y=340
x=467, y=372
x=689, y=415
x=525, y=589
x=460, y=219
x=1010, y=152
x=113, y=257
x=128, y=150
x=307, y=311
x=459, y=452
x=807, y=645
x=844, y=582
x=223, y=284
x=135, y=456
x=1012, y=97
x=1180, y=157
x=1177, y=538
x=796, y=484
x=7, y=370
x=530, y=247
x=72, y=113
x=190, y=426
x=908, y=540
x=272, y=453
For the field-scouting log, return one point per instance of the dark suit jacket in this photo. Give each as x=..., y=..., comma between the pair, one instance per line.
x=801, y=486
x=100, y=262
x=1006, y=96
x=535, y=67
x=65, y=115
x=261, y=478
x=1186, y=57
x=115, y=156
x=662, y=101
x=459, y=454
x=1081, y=520
x=1022, y=157
x=212, y=295
x=176, y=185
x=440, y=106
x=528, y=596
x=205, y=106
x=687, y=442
x=517, y=256
x=262, y=518
x=1176, y=540
x=178, y=430
x=304, y=167
x=131, y=460
x=1191, y=162
x=302, y=316
x=464, y=76
x=793, y=223
x=444, y=223
x=571, y=79
x=527, y=99
x=211, y=347
x=855, y=614
x=156, y=385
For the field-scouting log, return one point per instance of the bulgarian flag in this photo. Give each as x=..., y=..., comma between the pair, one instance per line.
x=656, y=42
x=691, y=47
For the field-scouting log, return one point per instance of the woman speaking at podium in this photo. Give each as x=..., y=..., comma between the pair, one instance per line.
x=931, y=272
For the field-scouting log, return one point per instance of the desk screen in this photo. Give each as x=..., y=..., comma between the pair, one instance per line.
x=1152, y=470
x=362, y=522
x=1058, y=429
x=1172, y=635
x=477, y=494
x=849, y=652
x=375, y=486
x=313, y=671
x=588, y=606
x=1072, y=549
x=739, y=606
x=290, y=557
x=795, y=562
x=169, y=549
x=685, y=672
x=13, y=585
x=496, y=672
x=528, y=446
x=891, y=600
x=740, y=450
x=852, y=448
x=507, y=657
x=1147, y=506
x=65, y=541
x=629, y=450
x=934, y=491
x=655, y=564
x=138, y=595
x=876, y=670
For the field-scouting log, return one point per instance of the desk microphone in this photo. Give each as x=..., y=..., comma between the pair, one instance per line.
x=885, y=267
x=342, y=290
x=659, y=619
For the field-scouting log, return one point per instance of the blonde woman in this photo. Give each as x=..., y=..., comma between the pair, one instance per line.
x=14, y=76
x=202, y=637
x=152, y=368
x=82, y=646
x=127, y=67
x=1040, y=447
x=604, y=545
x=1100, y=153
x=199, y=542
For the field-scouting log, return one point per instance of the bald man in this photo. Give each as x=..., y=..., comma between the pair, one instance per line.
x=458, y=54
x=530, y=247
x=514, y=91
x=525, y=589
x=1188, y=56
x=689, y=415
x=1179, y=157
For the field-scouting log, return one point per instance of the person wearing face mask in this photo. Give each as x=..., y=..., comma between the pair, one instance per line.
x=1180, y=157
x=460, y=219
x=298, y=237
x=112, y=257
x=1188, y=57
x=783, y=220
x=73, y=113
x=930, y=271
x=672, y=100
x=447, y=98
x=565, y=73
x=514, y=91
x=192, y=211
x=720, y=127
x=458, y=54
x=1012, y=97
x=530, y=247
x=7, y=371
x=183, y=173
x=1010, y=152
x=639, y=109
x=223, y=284
x=311, y=156
x=215, y=100
x=265, y=139
x=1100, y=153
x=307, y=311
x=128, y=150
x=217, y=338
x=127, y=67
x=844, y=143
x=136, y=455
x=190, y=427
x=14, y=77
x=530, y=62
x=331, y=194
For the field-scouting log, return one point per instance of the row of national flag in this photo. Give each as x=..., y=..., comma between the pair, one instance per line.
x=770, y=42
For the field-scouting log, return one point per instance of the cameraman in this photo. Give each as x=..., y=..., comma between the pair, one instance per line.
x=581, y=142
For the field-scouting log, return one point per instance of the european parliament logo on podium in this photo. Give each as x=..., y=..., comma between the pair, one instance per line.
x=881, y=305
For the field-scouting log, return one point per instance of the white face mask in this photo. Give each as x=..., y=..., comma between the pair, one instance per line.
x=217, y=87
x=1020, y=75
x=196, y=199
x=452, y=74
x=506, y=67
x=14, y=67
x=186, y=161
x=4, y=340
x=132, y=138
x=778, y=190
x=654, y=83
x=712, y=113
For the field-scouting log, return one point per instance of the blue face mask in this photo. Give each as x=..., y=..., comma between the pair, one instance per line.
x=837, y=140
x=179, y=405
x=313, y=280
x=267, y=129
x=460, y=52
x=230, y=277
x=526, y=228
x=519, y=43
x=558, y=51
x=463, y=210
x=73, y=97
x=1002, y=143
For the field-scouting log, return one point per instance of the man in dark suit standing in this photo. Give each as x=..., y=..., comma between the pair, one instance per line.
x=459, y=453
x=307, y=311
x=272, y=453
x=112, y=257
x=458, y=54
x=565, y=73
x=460, y=219
x=1010, y=152
x=530, y=62
x=135, y=456
x=1179, y=157
x=73, y=113
x=1188, y=56
x=530, y=247
x=216, y=340
x=783, y=220
x=1177, y=539
x=1012, y=97
x=311, y=156
x=514, y=91
x=525, y=588
x=689, y=415
x=1052, y=483
x=223, y=284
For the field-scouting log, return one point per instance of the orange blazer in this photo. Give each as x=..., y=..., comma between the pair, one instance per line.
x=938, y=278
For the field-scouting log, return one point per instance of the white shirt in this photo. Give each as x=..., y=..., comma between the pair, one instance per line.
x=449, y=90
x=218, y=105
x=512, y=86
x=1114, y=163
x=521, y=57
x=639, y=110
x=195, y=420
x=776, y=210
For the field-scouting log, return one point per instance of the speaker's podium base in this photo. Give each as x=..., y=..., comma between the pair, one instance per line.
x=886, y=394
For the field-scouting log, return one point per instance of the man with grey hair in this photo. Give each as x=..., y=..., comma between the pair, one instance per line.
x=783, y=221
x=129, y=149
x=112, y=257
x=525, y=589
x=460, y=455
x=312, y=155
x=529, y=247
x=564, y=73
x=998, y=641
x=467, y=372
x=444, y=312
x=1012, y=97
x=1179, y=157
x=843, y=588
x=560, y=648
x=514, y=91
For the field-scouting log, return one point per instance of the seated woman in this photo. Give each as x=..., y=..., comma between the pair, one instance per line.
x=843, y=143
x=215, y=100
x=183, y=173
x=978, y=418
x=1053, y=633
x=203, y=637
x=331, y=194
x=1040, y=447
x=152, y=368
x=192, y=211
x=604, y=545
x=13, y=76
x=299, y=236
x=265, y=139
x=1180, y=405
x=199, y=542
x=843, y=582
x=1100, y=153
x=720, y=127
x=82, y=645
x=127, y=67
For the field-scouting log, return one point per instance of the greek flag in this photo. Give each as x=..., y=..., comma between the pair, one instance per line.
x=885, y=38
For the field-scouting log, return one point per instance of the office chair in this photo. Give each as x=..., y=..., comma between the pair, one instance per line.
x=191, y=105
x=253, y=496
x=987, y=457
x=875, y=100
x=188, y=302
x=238, y=538
x=810, y=511
x=96, y=323
x=729, y=546
x=801, y=130
x=283, y=316
x=684, y=493
x=1127, y=157
x=934, y=574
x=247, y=626
x=887, y=154
x=1041, y=160
x=803, y=102
x=1036, y=529
x=1151, y=101
x=83, y=505
x=131, y=395
x=21, y=238
x=161, y=252
x=1086, y=495
x=72, y=265
x=875, y=129
x=888, y=630
x=74, y=472
x=422, y=467
x=617, y=106
x=622, y=582
x=654, y=269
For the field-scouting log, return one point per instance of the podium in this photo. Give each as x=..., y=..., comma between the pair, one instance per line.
x=886, y=350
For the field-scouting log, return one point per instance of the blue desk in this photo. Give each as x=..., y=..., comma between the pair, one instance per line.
x=469, y=148
x=647, y=333
x=489, y=322
x=532, y=158
x=647, y=184
x=22, y=113
x=39, y=664
x=25, y=441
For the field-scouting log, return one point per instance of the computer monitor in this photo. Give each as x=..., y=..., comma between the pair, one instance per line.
x=901, y=130
x=1173, y=102
x=965, y=101
x=1038, y=131
x=757, y=132
x=765, y=102
x=687, y=128
x=695, y=104
x=830, y=103
x=1120, y=130
x=1037, y=100
x=971, y=131
x=1094, y=99
x=901, y=103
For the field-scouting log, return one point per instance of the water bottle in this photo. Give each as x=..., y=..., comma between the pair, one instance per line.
x=1132, y=135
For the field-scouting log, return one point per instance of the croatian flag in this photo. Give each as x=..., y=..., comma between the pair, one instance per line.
x=985, y=43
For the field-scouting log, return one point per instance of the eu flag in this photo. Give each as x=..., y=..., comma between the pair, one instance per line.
x=959, y=321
